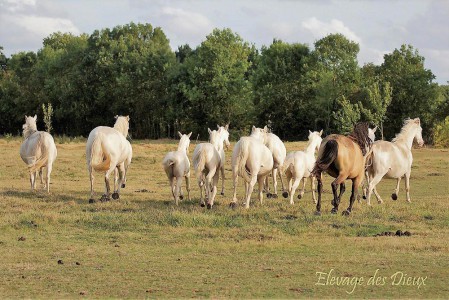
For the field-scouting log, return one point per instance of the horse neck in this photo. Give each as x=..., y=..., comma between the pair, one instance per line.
x=218, y=144
x=29, y=131
x=406, y=139
x=122, y=129
x=182, y=147
x=310, y=149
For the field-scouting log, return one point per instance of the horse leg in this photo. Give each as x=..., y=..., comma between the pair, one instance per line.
x=41, y=173
x=372, y=186
x=173, y=187
x=284, y=192
x=188, y=185
x=209, y=185
x=274, y=172
x=201, y=186
x=32, y=180
x=267, y=187
x=178, y=190
x=301, y=194
x=339, y=181
x=91, y=177
x=394, y=196
x=249, y=188
x=293, y=189
x=106, y=196
x=260, y=180
x=49, y=169
x=355, y=185
x=407, y=186
x=118, y=181
x=222, y=170
x=235, y=178
x=320, y=191
x=214, y=187
x=312, y=186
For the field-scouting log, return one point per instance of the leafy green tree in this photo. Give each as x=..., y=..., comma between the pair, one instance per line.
x=335, y=75
x=214, y=86
x=414, y=94
x=281, y=89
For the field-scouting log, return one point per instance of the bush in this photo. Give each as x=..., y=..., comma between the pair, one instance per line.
x=441, y=134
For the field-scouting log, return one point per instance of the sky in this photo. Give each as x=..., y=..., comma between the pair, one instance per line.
x=378, y=26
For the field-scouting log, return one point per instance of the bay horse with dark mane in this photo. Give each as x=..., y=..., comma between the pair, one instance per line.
x=342, y=157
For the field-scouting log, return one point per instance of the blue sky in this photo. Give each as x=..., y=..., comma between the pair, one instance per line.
x=379, y=26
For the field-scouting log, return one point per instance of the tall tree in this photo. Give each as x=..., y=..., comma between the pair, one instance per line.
x=413, y=92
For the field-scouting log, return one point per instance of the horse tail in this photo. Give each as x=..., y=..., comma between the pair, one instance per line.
x=199, y=163
x=100, y=160
x=43, y=159
x=242, y=157
x=327, y=157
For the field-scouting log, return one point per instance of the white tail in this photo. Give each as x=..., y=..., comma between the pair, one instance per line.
x=43, y=159
x=242, y=157
x=99, y=160
x=199, y=163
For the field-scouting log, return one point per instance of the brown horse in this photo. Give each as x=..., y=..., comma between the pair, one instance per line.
x=342, y=157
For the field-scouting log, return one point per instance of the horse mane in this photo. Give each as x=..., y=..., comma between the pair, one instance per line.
x=402, y=135
x=122, y=125
x=360, y=136
x=29, y=129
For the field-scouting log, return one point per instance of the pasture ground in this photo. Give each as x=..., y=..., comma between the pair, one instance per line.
x=143, y=246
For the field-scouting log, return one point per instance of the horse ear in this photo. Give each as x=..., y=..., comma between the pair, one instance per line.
x=265, y=128
x=310, y=132
x=26, y=117
x=208, y=130
x=35, y=118
x=218, y=126
x=418, y=121
x=127, y=117
x=116, y=117
x=180, y=134
x=253, y=129
x=321, y=132
x=227, y=126
x=189, y=135
x=374, y=129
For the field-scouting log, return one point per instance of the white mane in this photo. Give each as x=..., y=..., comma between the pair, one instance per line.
x=122, y=125
x=409, y=125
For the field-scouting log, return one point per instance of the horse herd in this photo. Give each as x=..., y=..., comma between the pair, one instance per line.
x=254, y=158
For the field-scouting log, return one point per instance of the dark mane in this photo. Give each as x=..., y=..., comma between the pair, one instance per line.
x=360, y=136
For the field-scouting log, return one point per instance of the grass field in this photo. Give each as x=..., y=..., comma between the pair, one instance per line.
x=143, y=246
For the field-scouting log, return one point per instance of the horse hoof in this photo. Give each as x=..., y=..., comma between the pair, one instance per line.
x=115, y=196
x=181, y=197
x=274, y=196
x=123, y=185
x=334, y=211
x=345, y=213
x=299, y=196
x=269, y=195
x=92, y=200
x=364, y=197
x=233, y=205
x=202, y=205
x=285, y=194
x=105, y=198
x=394, y=196
x=209, y=206
x=317, y=213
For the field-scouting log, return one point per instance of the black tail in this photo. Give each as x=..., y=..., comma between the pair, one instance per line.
x=328, y=156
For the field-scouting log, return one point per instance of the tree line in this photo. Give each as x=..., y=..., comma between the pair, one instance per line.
x=291, y=87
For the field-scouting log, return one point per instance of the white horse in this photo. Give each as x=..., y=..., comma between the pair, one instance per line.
x=253, y=161
x=299, y=165
x=224, y=130
x=277, y=148
x=106, y=150
x=177, y=165
x=207, y=162
x=38, y=150
x=394, y=159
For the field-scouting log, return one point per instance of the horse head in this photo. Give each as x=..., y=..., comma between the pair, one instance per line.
x=259, y=133
x=122, y=124
x=315, y=139
x=371, y=134
x=30, y=125
x=418, y=133
x=224, y=134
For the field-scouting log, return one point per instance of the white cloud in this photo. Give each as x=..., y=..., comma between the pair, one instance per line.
x=321, y=29
x=16, y=5
x=186, y=26
x=44, y=26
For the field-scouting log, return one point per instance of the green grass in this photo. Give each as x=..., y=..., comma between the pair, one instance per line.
x=143, y=246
